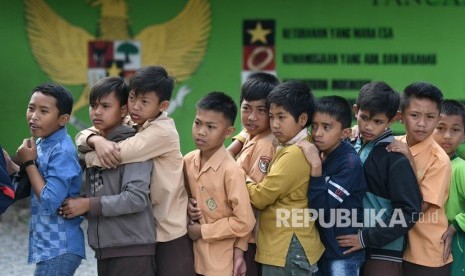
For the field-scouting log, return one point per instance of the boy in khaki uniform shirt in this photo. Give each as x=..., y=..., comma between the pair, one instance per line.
x=254, y=148
x=218, y=185
x=420, y=107
x=258, y=149
x=157, y=139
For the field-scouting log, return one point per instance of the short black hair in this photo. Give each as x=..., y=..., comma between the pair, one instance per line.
x=153, y=78
x=63, y=97
x=453, y=107
x=295, y=97
x=106, y=86
x=378, y=97
x=337, y=107
x=219, y=102
x=421, y=90
x=258, y=86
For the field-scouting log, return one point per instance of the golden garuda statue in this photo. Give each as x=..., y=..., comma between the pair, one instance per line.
x=62, y=49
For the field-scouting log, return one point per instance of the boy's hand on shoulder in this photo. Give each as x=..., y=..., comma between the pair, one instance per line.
x=235, y=147
x=400, y=147
x=354, y=133
x=108, y=152
x=239, y=265
x=312, y=155
x=73, y=207
x=194, y=230
x=351, y=241
x=27, y=150
x=193, y=211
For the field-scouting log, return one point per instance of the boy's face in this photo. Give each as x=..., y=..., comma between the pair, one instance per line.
x=420, y=119
x=106, y=113
x=283, y=124
x=254, y=116
x=42, y=115
x=371, y=127
x=449, y=133
x=145, y=106
x=209, y=131
x=327, y=132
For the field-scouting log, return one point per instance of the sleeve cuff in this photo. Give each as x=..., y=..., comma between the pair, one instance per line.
x=205, y=231
x=242, y=243
x=361, y=240
x=95, y=206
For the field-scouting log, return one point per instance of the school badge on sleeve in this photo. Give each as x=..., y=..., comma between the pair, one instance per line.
x=211, y=204
x=263, y=163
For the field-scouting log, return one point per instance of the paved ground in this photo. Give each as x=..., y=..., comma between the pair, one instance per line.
x=14, y=231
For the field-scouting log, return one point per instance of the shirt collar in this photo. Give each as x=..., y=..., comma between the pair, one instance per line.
x=299, y=137
x=214, y=162
x=53, y=138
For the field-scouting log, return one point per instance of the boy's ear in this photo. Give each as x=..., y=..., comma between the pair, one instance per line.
x=124, y=111
x=396, y=117
x=164, y=106
x=346, y=133
x=355, y=109
x=63, y=119
x=230, y=131
x=399, y=117
x=303, y=118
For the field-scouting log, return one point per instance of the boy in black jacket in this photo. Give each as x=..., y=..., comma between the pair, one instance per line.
x=337, y=185
x=393, y=199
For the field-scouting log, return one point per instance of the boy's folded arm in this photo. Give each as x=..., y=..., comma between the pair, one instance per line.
x=243, y=242
x=81, y=139
x=288, y=169
x=60, y=175
x=406, y=203
x=241, y=221
x=146, y=145
x=135, y=189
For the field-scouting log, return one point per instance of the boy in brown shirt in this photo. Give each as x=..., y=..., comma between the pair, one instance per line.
x=218, y=185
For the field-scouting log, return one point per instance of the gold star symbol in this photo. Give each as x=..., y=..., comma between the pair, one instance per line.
x=114, y=71
x=259, y=34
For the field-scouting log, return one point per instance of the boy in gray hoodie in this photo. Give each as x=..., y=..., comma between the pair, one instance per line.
x=121, y=224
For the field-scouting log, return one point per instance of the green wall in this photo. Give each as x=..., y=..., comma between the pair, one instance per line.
x=416, y=30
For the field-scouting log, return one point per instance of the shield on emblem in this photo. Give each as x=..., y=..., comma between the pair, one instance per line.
x=113, y=58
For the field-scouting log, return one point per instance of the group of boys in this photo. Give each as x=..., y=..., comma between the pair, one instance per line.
x=244, y=200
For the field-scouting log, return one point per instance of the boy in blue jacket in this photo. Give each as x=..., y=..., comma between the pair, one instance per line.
x=337, y=184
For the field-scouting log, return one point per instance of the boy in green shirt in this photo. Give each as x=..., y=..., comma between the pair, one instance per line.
x=449, y=134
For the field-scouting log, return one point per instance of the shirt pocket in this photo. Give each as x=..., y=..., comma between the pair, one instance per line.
x=212, y=204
